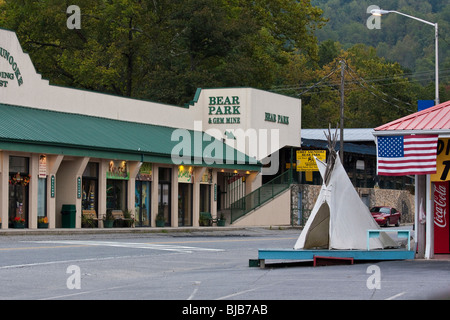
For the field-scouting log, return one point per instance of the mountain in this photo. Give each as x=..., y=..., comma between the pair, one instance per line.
x=396, y=38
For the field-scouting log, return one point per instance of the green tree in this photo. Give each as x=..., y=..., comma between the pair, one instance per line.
x=163, y=49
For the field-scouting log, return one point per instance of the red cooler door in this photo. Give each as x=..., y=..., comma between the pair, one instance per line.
x=441, y=216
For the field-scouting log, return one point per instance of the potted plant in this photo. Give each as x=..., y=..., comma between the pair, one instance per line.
x=19, y=222
x=221, y=221
x=108, y=221
x=128, y=218
x=160, y=221
x=43, y=222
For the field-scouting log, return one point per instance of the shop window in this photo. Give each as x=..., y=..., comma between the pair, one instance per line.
x=185, y=204
x=90, y=187
x=116, y=185
x=116, y=194
x=164, y=192
x=205, y=198
x=42, y=200
x=142, y=205
x=19, y=180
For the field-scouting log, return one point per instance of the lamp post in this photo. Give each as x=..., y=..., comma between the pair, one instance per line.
x=380, y=12
x=429, y=243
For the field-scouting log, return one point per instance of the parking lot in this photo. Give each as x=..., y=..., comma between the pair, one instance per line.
x=198, y=265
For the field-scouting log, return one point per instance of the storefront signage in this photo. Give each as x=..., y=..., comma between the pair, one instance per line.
x=185, y=174
x=441, y=216
x=145, y=172
x=442, y=161
x=224, y=110
x=52, y=186
x=8, y=75
x=272, y=117
x=207, y=176
x=42, y=166
x=306, y=161
x=117, y=170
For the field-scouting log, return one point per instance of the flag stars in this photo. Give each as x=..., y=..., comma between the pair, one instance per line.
x=390, y=147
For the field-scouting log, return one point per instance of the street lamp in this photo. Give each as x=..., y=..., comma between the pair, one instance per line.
x=380, y=12
x=429, y=233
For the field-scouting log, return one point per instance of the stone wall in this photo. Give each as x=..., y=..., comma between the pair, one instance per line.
x=402, y=200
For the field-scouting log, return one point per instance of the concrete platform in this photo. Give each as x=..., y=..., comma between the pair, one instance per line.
x=356, y=255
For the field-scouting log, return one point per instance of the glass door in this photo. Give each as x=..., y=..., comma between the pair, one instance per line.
x=18, y=191
x=185, y=204
x=164, y=202
x=142, y=204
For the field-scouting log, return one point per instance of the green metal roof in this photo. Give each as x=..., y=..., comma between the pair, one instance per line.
x=37, y=130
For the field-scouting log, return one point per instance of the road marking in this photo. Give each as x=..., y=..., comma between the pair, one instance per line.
x=396, y=296
x=46, y=247
x=236, y=294
x=197, y=283
x=134, y=245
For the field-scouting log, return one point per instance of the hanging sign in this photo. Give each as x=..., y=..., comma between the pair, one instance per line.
x=306, y=161
x=42, y=166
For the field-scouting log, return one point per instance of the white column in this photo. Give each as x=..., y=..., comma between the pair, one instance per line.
x=429, y=242
x=4, y=187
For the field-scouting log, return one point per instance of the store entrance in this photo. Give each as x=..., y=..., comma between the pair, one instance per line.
x=18, y=191
x=142, y=204
x=164, y=198
x=185, y=204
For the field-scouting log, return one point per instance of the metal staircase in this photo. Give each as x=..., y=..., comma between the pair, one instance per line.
x=259, y=197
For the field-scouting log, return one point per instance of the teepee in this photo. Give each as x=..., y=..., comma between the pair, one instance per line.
x=339, y=219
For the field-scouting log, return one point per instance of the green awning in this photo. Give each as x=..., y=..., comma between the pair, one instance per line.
x=43, y=131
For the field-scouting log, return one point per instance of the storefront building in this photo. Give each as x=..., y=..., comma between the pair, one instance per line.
x=432, y=192
x=97, y=153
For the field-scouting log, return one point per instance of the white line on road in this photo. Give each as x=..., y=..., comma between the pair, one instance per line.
x=134, y=245
x=396, y=296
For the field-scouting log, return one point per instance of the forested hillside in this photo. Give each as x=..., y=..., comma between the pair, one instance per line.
x=400, y=39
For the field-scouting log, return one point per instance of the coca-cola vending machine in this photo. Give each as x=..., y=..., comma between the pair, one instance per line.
x=441, y=216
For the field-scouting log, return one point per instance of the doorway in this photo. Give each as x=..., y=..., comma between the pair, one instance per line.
x=164, y=192
x=19, y=179
x=142, y=204
x=185, y=204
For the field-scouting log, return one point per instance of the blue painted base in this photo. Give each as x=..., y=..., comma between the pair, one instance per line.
x=291, y=254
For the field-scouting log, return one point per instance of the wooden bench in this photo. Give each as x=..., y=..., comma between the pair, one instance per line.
x=89, y=218
x=91, y=214
x=207, y=217
x=118, y=215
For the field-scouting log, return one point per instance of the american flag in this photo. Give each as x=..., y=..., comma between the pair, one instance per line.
x=406, y=155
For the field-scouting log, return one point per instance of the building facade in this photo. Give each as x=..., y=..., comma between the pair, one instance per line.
x=66, y=150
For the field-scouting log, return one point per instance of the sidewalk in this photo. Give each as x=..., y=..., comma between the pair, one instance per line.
x=137, y=230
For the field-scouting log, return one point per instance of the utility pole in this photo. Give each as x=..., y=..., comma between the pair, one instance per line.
x=341, y=149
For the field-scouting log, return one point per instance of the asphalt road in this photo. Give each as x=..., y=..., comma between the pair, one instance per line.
x=198, y=265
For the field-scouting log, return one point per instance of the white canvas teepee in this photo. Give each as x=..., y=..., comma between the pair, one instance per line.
x=339, y=219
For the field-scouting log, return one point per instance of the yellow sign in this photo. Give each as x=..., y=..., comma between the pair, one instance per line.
x=306, y=161
x=442, y=161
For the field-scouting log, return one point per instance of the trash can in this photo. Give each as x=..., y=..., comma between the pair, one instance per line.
x=68, y=212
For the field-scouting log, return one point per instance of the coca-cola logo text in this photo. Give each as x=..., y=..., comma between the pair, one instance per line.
x=440, y=206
